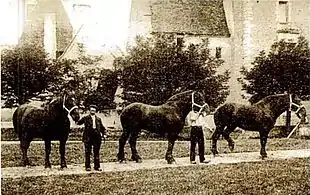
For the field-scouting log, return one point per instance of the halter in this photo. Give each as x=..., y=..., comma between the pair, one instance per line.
x=66, y=109
x=195, y=104
x=299, y=107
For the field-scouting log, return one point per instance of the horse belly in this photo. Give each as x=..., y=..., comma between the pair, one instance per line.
x=154, y=126
x=253, y=123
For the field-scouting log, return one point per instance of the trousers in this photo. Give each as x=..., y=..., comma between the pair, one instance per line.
x=96, y=148
x=196, y=136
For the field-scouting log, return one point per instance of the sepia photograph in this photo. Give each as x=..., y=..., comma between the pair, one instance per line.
x=155, y=97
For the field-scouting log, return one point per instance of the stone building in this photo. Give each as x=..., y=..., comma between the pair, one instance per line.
x=51, y=24
x=237, y=29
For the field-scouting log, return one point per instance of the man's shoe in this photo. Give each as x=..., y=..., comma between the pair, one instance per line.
x=193, y=162
x=88, y=169
x=205, y=161
x=98, y=169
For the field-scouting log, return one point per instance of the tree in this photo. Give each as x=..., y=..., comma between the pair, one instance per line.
x=97, y=85
x=103, y=95
x=24, y=73
x=285, y=69
x=157, y=68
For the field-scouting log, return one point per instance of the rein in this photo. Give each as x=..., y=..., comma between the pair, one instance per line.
x=199, y=106
x=65, y=108
x=299, y=107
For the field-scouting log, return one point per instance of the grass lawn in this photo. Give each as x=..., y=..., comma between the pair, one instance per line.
x=11, y=155
x=269, y=177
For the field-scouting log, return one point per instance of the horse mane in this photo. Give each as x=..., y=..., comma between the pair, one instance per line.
x=50, y=104
x=268, y=99
x=177, y=96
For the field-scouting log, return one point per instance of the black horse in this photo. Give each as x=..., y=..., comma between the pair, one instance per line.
x=260, y=117
x=49, y=122
x=166, y=119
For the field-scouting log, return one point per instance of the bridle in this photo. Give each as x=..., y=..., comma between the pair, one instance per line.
x=65, y=108
x=299, y=107
x=199, y=106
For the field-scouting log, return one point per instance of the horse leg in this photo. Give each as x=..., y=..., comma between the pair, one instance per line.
x=24, y=145
x=169, y=156
x=215, y=136
x=226, y=135
x=47, y=153
x=122, y=142
x=62, y=151
x=133, y=143
x=263, y=142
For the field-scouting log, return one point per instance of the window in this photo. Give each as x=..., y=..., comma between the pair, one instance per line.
x=283, y=12
x=179, y=41
x=218, y=52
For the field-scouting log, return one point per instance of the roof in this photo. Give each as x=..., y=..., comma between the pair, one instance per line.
x=199, y=17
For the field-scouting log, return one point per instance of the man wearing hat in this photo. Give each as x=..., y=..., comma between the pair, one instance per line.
x=92, y=136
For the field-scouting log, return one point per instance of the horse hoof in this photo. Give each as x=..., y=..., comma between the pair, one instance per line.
x=231, y=148
x=139, y=160
x=214, y=152
x=264, y=157
x=122, y=160
x=171, y=161
x=26, y=163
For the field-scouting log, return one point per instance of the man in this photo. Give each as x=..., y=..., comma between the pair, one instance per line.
x=92, y=137
x=196, y=120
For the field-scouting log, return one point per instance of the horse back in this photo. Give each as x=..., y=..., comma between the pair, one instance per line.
x=34, y=122
x=154, y=118
x=28, y=117
x=244, y=116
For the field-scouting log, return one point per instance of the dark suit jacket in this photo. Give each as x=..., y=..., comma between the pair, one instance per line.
x=90, y=134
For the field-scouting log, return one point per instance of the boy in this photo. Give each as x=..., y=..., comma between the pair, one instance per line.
x=196, y=119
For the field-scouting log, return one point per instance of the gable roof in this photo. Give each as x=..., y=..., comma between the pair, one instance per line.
x=196, y=17
x=33, y=31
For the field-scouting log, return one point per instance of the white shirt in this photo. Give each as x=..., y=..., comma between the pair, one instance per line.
x=94, y=121
x=195, y=120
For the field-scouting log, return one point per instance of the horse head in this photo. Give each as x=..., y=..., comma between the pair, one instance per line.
x=299, y=109
x=70, y=107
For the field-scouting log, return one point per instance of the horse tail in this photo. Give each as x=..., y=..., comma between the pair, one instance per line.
x=223, y=115
x=18, y=119
x=15, y=125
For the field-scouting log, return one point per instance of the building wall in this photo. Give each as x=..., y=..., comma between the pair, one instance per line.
x=140, y=19
x=46, y=23
x=256, y=23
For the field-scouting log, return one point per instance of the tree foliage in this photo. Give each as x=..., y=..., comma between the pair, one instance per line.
x=103, y=95
x=285, y=69
x=24, y=73
x=157, y=68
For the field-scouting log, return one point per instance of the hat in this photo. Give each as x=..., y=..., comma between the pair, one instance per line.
x=93, y=106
